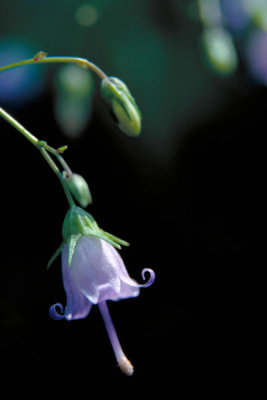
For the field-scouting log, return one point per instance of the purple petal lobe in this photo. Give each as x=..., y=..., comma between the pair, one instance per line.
x=53, y=311
x=151, y=277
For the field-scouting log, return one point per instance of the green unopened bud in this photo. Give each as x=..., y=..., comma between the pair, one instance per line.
x=121, y=105
x=79, y=188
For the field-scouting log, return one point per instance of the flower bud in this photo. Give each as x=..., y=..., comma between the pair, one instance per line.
x=121, y=105
x=79, y=188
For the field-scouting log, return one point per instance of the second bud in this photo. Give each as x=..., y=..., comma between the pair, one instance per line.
x=79, y=188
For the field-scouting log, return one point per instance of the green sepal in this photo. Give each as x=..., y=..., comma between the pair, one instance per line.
x=54, y=256
x=78, y=223
x=114, y=239
x=71, y=242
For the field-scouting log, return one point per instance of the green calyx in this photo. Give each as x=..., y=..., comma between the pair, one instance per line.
x=122, y=105
x=78, y=223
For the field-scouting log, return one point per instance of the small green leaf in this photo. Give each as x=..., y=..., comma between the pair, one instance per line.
x=62, y=149
x=38, y=56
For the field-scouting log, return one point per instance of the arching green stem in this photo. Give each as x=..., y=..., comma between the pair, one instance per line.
x=59, y=175
x=44, y=148
x=42, y=60
x=19, y=127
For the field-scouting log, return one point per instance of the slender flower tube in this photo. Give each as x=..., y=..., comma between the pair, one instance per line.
x=94, y=274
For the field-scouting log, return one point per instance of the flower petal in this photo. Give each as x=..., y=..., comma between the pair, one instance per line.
x=92, y=272
x=112, y=255
x=151, y=277
x=123, y=273
x=78, y=306
x=53, y=311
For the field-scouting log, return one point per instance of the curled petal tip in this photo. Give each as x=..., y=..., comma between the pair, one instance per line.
x=151, y=277
x=53, y=313
x=126, y=366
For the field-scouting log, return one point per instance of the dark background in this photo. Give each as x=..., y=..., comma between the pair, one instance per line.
x=180, y=194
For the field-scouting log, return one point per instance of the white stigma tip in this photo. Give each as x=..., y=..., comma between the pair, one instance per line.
x=126, y=366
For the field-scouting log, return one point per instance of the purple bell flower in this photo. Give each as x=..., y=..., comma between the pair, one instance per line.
x=94, y=274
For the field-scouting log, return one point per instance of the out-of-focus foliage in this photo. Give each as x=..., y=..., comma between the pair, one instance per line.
x=220, y=50
x=74, y=90
x=19, y=86
x=159, y=48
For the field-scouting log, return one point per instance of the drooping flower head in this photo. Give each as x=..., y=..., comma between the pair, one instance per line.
x=93, y=272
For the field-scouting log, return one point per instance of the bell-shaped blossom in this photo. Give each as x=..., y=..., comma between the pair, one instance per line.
x=96, y=274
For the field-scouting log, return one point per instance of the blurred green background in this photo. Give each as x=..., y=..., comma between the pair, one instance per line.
x=179, y=193
x=154, y=46
x=167, y=52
